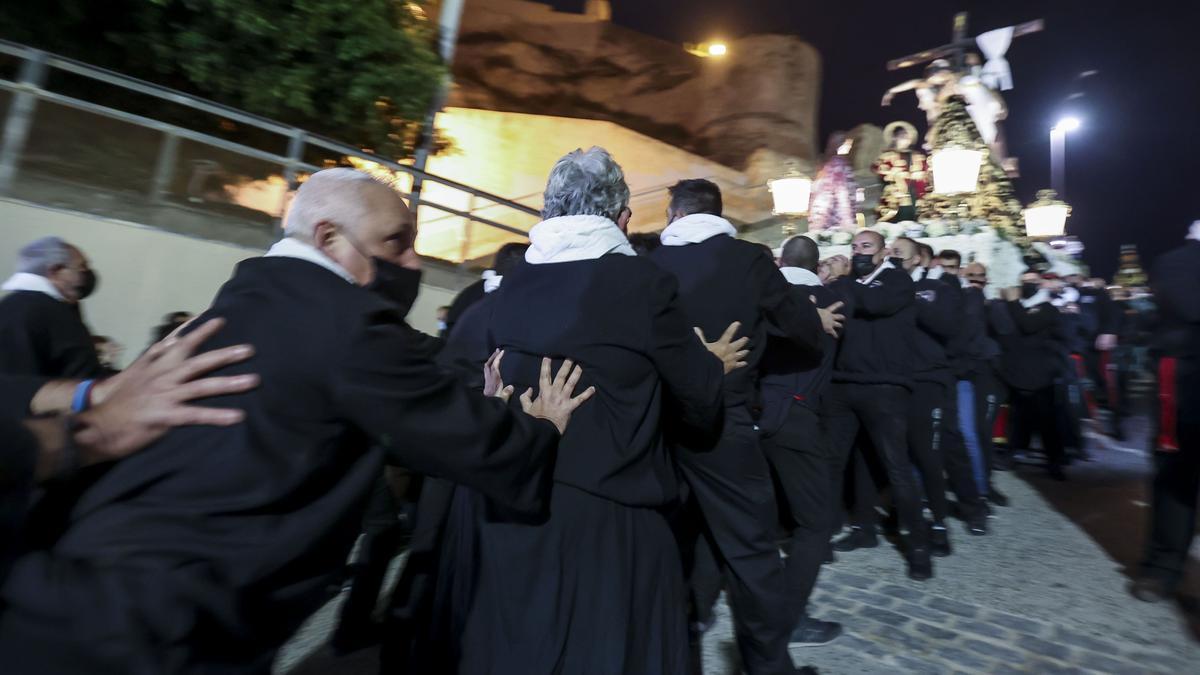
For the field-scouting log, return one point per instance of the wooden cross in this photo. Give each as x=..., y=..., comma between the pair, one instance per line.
x=959, y=44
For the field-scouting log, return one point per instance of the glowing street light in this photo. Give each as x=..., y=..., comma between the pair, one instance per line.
x=1046, y=217
x=707, y=50
x=1068, y=124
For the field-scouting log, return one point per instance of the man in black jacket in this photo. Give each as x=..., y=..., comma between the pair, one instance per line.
x=793, y=382
x=41, y=329
x=207, y=550
x=1101, y=320
x=722, y=280
x=1175, y=279
x=1032, y=362
x=935, y=440
x=506, y=256
x=872, y=383
x=976, y=354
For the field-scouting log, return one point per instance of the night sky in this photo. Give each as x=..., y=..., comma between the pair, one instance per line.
x=1130, y=171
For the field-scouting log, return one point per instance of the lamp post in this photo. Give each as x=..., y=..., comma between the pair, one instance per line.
x=791, y=197
x=955, y=169
x=1047, y=216
x=1058, y=148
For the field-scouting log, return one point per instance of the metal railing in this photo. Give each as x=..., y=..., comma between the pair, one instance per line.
x=30, y=87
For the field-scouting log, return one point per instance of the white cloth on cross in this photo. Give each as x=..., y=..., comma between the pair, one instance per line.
x=994, y=44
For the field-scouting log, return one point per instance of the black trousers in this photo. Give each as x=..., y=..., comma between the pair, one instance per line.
x=990, y=394
x=1176, y=484
x=881, y=412
x=383, y=536
x=1037, y=411
x=731, y=486
x=937, y=448
x=804, y=472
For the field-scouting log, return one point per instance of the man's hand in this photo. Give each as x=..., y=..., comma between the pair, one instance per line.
x=726, y=348
x=1106, y=342
x=887, y=99
x=137, y=406
x=493, y=382
x=839, y=266
x=1010, y=294
x=831, y=319
x=554, y=401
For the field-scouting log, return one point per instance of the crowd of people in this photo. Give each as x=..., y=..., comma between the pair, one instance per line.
x=611, y=429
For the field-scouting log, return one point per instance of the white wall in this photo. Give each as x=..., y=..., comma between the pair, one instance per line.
x=146, y=273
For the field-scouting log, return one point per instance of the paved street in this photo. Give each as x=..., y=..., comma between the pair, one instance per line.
x=1043, y=593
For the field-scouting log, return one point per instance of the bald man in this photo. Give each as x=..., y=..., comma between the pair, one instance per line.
x=206, y=551
x=872, y=383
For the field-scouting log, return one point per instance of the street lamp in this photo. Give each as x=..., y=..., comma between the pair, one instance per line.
x=955, y=169
x=707, y=50
x=1047, y=216
x=791, y=196
x=1058, y=146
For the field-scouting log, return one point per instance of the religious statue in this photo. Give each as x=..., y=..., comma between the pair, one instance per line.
x=835, y=192
x=903, y=173
x=985, y=105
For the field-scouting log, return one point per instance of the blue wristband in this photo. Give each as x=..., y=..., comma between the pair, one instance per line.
x=82, y=397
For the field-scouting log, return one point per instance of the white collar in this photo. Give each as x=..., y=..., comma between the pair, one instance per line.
x=290, y=247
x=885, y=265
x=1042, y=296
x=26, y=281
x=491, y=281
x=571, y=238
x=696, y=228
x=798, y=276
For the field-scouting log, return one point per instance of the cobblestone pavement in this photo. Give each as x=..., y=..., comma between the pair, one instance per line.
x=1036, y=595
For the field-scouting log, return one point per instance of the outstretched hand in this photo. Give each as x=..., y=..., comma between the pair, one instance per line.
x=831, y=318
x=728, y=350
x=555, y=401
x=137, y=406
x=493, y=382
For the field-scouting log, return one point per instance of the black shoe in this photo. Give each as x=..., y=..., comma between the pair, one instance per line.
x=812, y=632
x=1056, y=472
x=1149, y=589
x=830, y=557
x=977, y=525
x=939, y=541
x=997, y=497
x=920, y=565
x=858, y=538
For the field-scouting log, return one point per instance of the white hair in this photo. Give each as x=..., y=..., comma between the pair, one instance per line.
x=43, y=255
x=586, y=183
x=331, y=195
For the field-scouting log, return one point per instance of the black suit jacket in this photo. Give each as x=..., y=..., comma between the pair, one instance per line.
x=620, y=318
x=43, y=336
x=722, y=280
x=792, y=375
x=214, y=544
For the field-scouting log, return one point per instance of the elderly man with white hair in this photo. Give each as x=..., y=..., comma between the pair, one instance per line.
x=41, y=330
x=206, y=551
x=596, y=587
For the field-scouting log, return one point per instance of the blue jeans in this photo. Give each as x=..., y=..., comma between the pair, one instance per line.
x=966, y=423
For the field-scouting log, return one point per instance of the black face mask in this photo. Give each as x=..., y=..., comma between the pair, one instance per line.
x=397, y=284
x=862, y=264
x=898, y=263
x=87, y=285
x=1029, y=289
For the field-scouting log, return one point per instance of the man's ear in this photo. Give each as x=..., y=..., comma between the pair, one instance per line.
x=324, y=234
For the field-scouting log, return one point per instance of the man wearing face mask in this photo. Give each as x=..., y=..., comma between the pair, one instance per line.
x=41, y=328
x=934, y=437
x=206, y=551
x=1032, y=362
x=872, y=383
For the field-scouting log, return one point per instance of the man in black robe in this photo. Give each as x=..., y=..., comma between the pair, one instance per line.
x=41, y=329
x=1175, y=279
x=206, y=551
x=872, y=385
x=722, y=280
x=793, y=382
